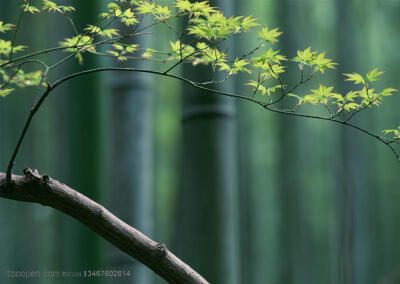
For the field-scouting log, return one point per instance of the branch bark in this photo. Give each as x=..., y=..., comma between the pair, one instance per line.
x=36, y=188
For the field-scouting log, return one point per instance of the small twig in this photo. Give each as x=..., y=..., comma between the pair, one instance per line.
x=24, y=131
x=292, y=89
x=364, y=107
x=134, y=57
x=71, y=22
x=281, y=84
x=251, y=52
x=42, y=79
x=301, y=73
x=213, y=81
x=258, y=85
x=173, y=29
x=182, y=60
x=17, y=29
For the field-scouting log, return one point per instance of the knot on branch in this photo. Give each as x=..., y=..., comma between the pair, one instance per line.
x=34, y=175
x=161, y=250
x=46, y=178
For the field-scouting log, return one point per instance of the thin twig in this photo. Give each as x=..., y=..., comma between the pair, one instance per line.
x=24, y=131
x=292, y=89
x=17, y=29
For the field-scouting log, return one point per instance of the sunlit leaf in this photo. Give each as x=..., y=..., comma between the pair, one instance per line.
x=269, y=35
x=374, y=75
x=5, y=27
x=5, y=92
x=355, y=77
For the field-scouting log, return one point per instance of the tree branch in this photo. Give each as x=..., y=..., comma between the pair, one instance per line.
x=35, y=188
x=267, y=106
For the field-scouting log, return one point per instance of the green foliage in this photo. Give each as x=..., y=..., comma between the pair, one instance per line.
x=30, y=8
x=314, y=59
x=208, y=54
x=6, y=47
x=181, y=50
x=22, y=79
x=394, y=132
x=365, y=97
x=18, y=78
x=78, y=42
x=270, y=56
x=148, y=53
x=195, y=9
x=78, y=45
x=5, y=27
x=354, y=100
x=110, y=33
x=121, y=51
x=322, y=95
x=5, y=91
x=248, y=23
x=51, y=6
x=373, y=75
x=145, y=7
x=356, y=78
x=201, y=54
x=208, y=27
x=128, y=18
x=215, y=26
x=259, y=87
x=269, y=35
x=239, y=65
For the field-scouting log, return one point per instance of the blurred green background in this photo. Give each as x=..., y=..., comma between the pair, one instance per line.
x=240, y=194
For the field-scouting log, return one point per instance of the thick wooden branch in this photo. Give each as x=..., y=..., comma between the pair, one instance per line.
x=36, y=188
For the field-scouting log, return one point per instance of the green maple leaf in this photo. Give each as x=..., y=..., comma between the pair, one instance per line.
x=269, y=35
x=374, y=75
x=355, y=77
x=5, y=92
x=6, y=27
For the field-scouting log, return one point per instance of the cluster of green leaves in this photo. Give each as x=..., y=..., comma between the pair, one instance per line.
x=354, y=100
x=5, y=27
x=366, y=96
x=51, y=6
x=78, y=45
x=321, y=95
x=19, y=79
x=215, y=26
x=13, y=77
x=6, y=48
x=208, y=27
x=269, y=66
x=202, y=53
x=6, y=45
x=121, y=51
x=314, y=59
x=394, y=132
